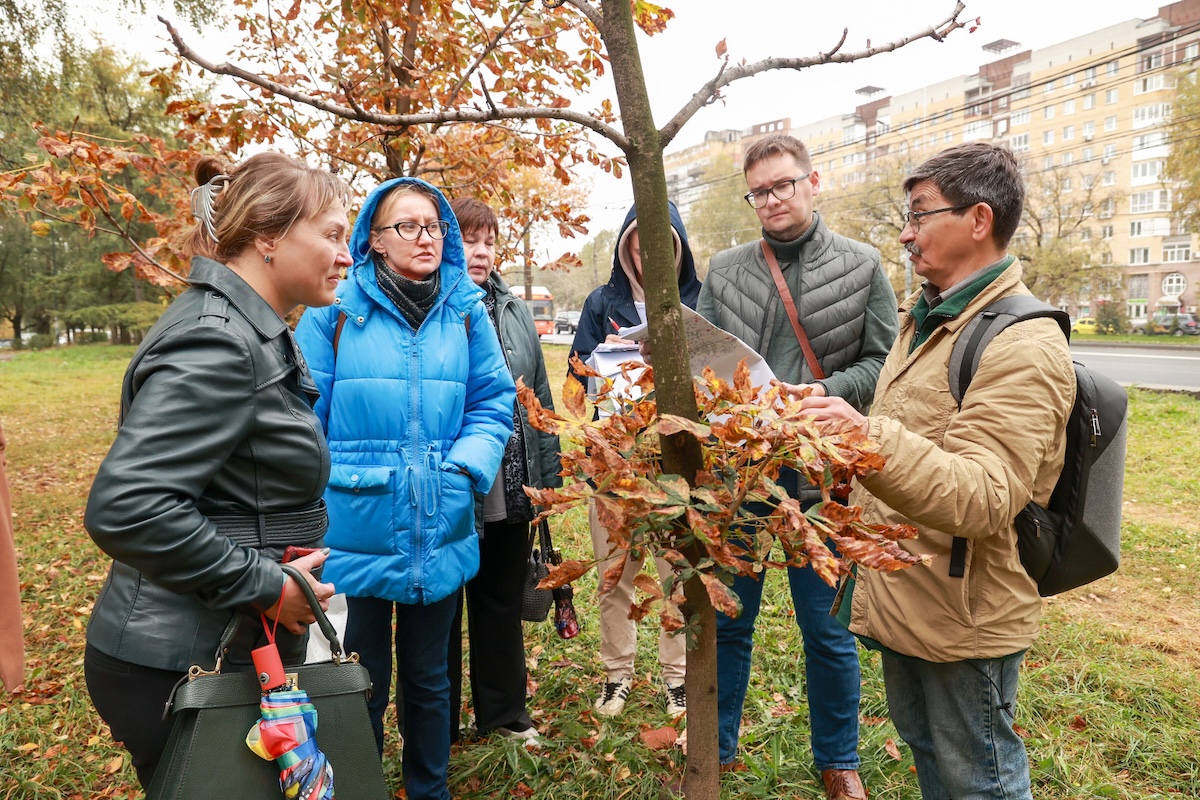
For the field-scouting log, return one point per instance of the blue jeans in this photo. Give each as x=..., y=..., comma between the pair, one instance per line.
x=422, y=635
x=830, y=665
x=957, y=719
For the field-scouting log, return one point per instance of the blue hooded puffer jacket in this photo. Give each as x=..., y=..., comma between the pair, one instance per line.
x=416, y=421
x=613, y=302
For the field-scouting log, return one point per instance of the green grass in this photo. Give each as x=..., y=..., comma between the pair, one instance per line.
x=1110, y=693
x=1133, y=338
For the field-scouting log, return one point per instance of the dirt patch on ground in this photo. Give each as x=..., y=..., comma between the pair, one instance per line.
x=1153, y=608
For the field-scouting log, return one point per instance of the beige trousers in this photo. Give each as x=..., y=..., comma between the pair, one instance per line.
x=12, y=648
x=618, y=633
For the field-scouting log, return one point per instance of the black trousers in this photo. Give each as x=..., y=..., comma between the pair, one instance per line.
x=131, y=699
x=497, y=641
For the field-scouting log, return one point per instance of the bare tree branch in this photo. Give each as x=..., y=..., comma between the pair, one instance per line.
x=395, y=120
x=711, y=90
x=590, y=11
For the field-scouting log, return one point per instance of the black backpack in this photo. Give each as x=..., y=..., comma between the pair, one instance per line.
x=1077, y=538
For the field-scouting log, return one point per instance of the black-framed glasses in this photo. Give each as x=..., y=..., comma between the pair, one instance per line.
x=913, y=218
x=784, y=190
x=411, y=231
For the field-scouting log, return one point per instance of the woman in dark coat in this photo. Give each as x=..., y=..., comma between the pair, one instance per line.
x=219, y=463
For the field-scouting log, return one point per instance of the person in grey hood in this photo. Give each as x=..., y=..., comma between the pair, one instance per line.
x=607, y=308
x=219, y=463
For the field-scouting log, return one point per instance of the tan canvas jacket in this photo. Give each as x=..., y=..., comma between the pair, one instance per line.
x=963, y=472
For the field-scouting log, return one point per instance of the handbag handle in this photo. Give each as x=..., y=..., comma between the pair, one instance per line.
x=335, y=646
x=549, y=554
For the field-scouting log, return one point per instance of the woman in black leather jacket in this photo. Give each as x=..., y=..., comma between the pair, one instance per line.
x=219, y=462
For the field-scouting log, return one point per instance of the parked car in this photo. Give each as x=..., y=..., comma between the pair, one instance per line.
x=1175, y=324
x=1085, y=325
x=566, y=322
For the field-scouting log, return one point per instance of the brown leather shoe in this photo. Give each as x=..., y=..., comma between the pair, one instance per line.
x=843, y=784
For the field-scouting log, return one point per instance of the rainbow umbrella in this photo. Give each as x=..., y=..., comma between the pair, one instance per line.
x=287, y=734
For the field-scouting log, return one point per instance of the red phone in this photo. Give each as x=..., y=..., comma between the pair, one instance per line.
x=291, y=553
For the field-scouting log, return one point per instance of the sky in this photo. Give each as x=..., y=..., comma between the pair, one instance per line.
x=678, y=61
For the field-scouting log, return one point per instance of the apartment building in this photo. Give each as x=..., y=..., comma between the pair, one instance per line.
x=1087, y=117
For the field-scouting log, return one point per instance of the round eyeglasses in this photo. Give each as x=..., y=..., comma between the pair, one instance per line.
x=913, y=218
x=411, y=231
x=784, y=190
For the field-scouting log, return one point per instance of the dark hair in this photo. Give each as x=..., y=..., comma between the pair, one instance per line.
x=264, y=196
x=978, y=172
x=776, y=144
x=474, y=215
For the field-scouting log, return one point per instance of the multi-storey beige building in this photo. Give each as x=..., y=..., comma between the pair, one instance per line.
x=1088, y=118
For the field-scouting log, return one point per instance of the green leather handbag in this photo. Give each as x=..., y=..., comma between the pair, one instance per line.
x=206, y=755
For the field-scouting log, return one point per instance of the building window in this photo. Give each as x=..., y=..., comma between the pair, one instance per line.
x=1019, y=117
x=1174, y=284
x=1151, y=61
x=1191, y=51
x=1146, y=171
x=1109, y=178
x=1048, y=162
x=1147, y=140
x=1138, y=287
x=1173, y=253
x=1107, y=208
x=1089, y=154
x=1068, y=132
x=1019, y=143
x=1089, y=101
x=1151, y=83
x=1106, y=231
x=1154, y=200
x=1106, y=258
x=1068, y=159
x=1110, y=152
x=1069, y=81
x=1145, y=116
x=1111, y=96
x=1068, y=107
x=1050, y=87
x=1139, y=255
x=1110, y=124
x=1087, y=181
x=1047, y=137
x=948, y=137
x=1112, y=67
x=1066, y=184
x=1048, y=112
x=1089, y=76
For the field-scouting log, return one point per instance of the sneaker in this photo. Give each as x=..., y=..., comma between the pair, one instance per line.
x=612, y=698
x=676, y=698
x=528, y=737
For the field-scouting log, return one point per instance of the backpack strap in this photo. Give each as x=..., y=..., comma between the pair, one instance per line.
x=976, y=335
x=789, y=305
x=987, y=325
x=337, y=333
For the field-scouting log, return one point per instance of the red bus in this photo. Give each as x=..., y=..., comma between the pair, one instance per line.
x=541, y=306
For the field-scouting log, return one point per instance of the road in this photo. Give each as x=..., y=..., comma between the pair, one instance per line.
x=1161, y=367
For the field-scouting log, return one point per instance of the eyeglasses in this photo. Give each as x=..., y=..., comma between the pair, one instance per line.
x=913, y=218
x=411, y=231
x=784, y=190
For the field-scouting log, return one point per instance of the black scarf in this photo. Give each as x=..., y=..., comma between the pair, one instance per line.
x=413, y=298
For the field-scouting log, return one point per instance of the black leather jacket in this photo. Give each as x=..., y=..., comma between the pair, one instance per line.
x=216, y=429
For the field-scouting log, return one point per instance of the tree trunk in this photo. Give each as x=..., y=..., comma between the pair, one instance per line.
x=672, y=371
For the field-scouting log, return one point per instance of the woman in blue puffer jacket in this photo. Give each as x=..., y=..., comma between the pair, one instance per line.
x=416, y=400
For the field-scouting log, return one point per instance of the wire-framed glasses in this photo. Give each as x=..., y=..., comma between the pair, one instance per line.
x=913, y=218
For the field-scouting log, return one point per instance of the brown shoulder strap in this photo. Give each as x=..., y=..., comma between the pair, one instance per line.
x=789, y=306
x=337, y=333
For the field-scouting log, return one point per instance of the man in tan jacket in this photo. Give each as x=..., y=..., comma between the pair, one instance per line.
x=952, y=646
